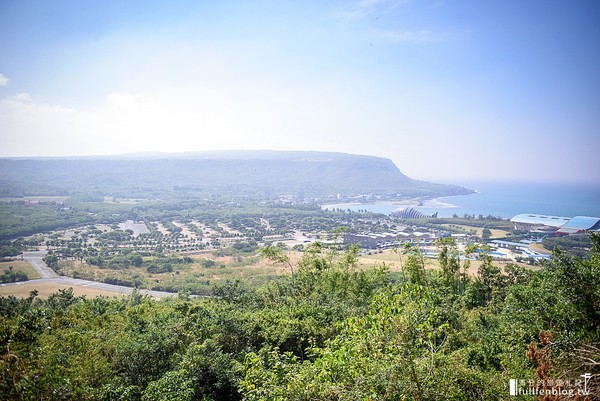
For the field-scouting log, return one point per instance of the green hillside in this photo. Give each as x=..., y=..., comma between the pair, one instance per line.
x=265, y=173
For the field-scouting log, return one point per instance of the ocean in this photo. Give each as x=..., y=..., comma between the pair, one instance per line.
x=506, y=200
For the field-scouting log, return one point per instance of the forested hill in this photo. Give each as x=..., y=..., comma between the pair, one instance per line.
x=232, y=172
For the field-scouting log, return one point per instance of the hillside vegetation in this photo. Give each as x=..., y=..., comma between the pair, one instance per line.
x=329, y=332
x=264, y=174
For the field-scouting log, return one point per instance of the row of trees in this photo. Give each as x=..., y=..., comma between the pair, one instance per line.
x=332, y=331
x=11, y=276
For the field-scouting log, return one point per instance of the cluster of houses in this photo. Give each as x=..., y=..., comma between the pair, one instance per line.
x=389, y=240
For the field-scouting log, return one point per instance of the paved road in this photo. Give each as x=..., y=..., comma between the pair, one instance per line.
x=34, y=258
x=49, y=276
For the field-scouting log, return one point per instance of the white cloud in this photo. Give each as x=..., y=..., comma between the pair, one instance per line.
x=23, y=97
x=3, y=80
x=259, y=117
x=175, y=120
x=30, y=127
x=124, y=99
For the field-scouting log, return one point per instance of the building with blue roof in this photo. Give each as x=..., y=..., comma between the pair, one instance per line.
x=580, y=224
x=558, y=225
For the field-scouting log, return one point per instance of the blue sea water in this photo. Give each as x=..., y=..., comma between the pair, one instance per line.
x=509, y=199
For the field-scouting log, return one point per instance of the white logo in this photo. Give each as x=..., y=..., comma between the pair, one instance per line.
x=558, y=387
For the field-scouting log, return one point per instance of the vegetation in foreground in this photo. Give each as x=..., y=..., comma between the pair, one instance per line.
x=330, y=331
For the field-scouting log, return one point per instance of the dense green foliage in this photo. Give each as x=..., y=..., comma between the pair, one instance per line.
x=11, y=276
x=9, y=250
x=335, y=332
x=472, y=220
x=20, y=219
x=578, y=245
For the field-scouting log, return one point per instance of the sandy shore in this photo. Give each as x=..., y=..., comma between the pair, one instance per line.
x=433, y=203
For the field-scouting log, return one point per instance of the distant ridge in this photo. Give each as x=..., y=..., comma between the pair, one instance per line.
x=260, y=173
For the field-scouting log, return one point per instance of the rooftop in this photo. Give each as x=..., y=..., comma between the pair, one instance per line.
x=509, y=243
x=580, y=223
x=540, y=219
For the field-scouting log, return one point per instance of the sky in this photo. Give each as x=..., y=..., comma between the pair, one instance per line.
x=449, y=90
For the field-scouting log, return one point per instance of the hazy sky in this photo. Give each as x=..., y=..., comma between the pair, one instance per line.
x=449, y=90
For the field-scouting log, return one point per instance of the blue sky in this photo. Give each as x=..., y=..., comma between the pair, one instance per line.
x=449, y=90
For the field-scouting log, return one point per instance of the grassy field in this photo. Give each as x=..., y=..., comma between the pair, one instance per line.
x=19, y=266
x=23, y=289
x=251, y=270
x=496, y=233
x=392, y=260
x=539, y=248
x=197, y=276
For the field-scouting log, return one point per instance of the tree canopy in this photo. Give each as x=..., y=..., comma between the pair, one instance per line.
x=337, y=332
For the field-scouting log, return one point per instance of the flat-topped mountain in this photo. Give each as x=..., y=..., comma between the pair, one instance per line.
x=267, y=173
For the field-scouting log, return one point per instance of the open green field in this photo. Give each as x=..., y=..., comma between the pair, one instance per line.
x=252, y=271
x=392, y=260
x=19, y=266
x=539, y=248
x=496, y=233
x=199, y=276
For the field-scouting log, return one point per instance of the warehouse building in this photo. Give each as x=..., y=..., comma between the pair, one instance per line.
x=579, y=224
x=555, y=225
x=538, y=223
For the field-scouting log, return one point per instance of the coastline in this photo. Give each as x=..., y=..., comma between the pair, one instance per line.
x=437, y=202
x=503, y=200
x=413, y=202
